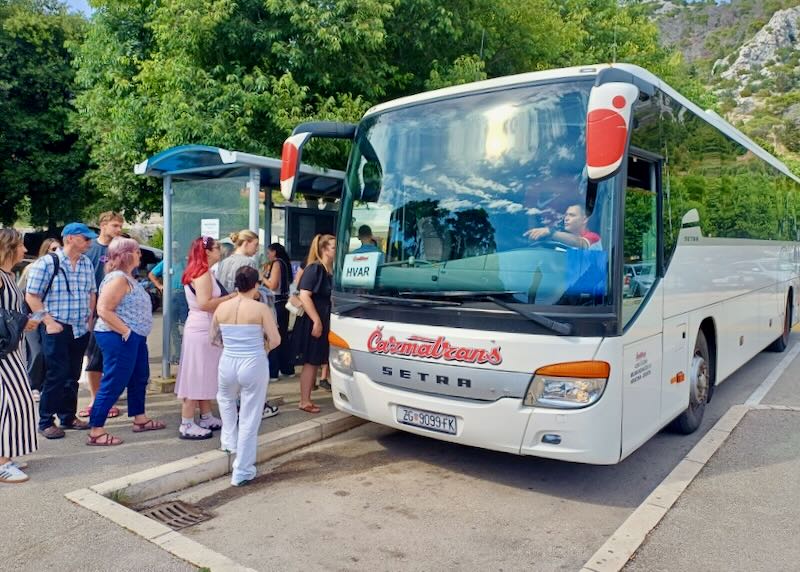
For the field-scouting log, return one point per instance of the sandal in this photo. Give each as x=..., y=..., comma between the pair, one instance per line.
x=108, y=440
x=149, y=425
x=194, y=432
x=311, y=408
x=76, y=425
x=87, y=412
x=210, y=422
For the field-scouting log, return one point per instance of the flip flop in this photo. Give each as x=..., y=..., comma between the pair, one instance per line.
x=149, y=425
x=109, y=440
x=309, y=408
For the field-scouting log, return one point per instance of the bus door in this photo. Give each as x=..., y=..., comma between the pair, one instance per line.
x=642, y=301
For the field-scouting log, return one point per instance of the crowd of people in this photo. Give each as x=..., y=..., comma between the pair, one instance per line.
x=81, y=297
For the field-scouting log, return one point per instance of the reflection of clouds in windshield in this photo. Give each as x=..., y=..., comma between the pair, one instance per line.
x=508, y=206
x=428, y=167
x=459, y=188
x=454, y=204
x=487, y=184
x=564, y=152
x=414, y=183
x=533, y=211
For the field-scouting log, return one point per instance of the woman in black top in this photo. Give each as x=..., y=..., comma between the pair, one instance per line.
x=278, y=280
x=311, y=331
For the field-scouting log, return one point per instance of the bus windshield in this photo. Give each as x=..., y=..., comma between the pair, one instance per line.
x=482, y=194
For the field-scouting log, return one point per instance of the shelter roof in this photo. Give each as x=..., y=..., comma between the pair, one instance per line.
x=197, y=162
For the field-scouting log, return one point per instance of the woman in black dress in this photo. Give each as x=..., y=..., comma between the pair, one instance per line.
x=311, y=332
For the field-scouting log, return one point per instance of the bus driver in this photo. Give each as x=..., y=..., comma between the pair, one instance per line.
x=575, y=232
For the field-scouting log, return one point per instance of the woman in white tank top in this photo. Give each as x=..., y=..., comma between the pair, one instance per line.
x=246, y=330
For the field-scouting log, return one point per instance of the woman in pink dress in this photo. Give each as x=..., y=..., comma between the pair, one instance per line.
x=196, y=384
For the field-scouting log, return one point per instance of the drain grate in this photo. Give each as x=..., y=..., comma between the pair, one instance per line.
x=176, y=514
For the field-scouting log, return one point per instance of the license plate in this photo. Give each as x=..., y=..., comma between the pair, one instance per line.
x=426, y=419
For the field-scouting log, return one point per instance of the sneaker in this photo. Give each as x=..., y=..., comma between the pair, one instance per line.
x=269, y=411
x=37, y=395
x=22, y=465
x=210, y=422
x=243, y=483
x=10, y=473
x=325, y=384
x=273, y=379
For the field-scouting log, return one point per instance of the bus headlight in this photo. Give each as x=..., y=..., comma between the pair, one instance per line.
x=341, y=358
x=342, y=361
x=568, y=385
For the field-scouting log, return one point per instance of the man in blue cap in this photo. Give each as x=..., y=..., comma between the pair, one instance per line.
x=64, y=287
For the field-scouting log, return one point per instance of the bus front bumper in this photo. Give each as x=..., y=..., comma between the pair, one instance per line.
x=586, y=435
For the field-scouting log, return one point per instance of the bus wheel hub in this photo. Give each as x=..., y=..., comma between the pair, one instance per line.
x=698, y=380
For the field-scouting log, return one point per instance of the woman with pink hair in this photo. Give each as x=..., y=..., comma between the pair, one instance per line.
x=125, y=319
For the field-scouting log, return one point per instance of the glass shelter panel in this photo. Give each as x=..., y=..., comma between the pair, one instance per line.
x=215, y=207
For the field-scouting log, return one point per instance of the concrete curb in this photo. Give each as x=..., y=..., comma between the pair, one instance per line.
x=626, y=540
x=108, y=499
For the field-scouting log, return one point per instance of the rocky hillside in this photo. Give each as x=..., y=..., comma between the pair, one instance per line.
x=748, y=53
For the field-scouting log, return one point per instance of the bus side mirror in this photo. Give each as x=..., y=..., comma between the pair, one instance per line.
x=608, y=122
x=290, y=163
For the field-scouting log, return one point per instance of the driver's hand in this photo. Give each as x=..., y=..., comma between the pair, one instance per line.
x=537, y=233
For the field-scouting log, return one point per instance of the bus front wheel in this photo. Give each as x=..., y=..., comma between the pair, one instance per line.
x=699, y=385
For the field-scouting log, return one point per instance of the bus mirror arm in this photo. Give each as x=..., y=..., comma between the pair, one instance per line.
x=292, y=152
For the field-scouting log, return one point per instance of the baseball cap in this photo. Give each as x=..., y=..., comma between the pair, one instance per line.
x=74, y=228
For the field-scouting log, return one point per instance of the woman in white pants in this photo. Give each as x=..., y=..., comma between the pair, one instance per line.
x=246, y=330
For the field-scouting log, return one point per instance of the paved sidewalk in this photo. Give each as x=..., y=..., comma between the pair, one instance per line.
x=44, y=531
x=742, y=512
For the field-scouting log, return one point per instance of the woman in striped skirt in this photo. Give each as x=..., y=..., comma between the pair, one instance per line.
x=17, y=412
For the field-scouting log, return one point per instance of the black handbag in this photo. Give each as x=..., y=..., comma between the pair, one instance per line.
x=12, y=328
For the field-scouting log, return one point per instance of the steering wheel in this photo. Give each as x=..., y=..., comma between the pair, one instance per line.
x=549, y=244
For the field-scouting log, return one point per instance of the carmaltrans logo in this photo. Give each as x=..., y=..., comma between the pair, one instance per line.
x=430, y=348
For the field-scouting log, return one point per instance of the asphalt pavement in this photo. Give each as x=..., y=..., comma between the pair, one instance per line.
x=378, y=499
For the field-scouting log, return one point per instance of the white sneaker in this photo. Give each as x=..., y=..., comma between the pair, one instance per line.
x=10, y=473
x=269, y=411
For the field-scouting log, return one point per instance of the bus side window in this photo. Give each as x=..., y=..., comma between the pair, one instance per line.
x=640, y=239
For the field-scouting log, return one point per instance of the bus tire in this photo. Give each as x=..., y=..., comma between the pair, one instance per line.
x=782, y=342
x=699, y=383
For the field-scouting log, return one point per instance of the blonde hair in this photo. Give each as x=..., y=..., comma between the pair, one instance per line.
x=9, y=241
x=108, y=216
x=45, y=247
x=239, y=238
x=315, y=252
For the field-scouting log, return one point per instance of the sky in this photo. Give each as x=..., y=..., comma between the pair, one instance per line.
x=79, y=6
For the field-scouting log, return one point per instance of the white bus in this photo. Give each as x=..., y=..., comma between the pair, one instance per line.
x=557, y=264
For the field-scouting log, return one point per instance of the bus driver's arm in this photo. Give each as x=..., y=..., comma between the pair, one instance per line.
x=546, y=233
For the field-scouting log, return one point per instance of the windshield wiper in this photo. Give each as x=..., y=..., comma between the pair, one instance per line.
x=562, y=328
x=374, y=299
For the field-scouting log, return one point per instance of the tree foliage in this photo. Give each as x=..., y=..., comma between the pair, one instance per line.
x=242, y=73
x=41, y=158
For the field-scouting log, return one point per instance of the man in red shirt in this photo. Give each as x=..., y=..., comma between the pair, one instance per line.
x=574, y=233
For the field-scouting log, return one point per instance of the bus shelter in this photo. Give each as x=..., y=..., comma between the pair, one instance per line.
x=210, y=191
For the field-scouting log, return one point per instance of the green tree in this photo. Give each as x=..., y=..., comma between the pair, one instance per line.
x=41, y=158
